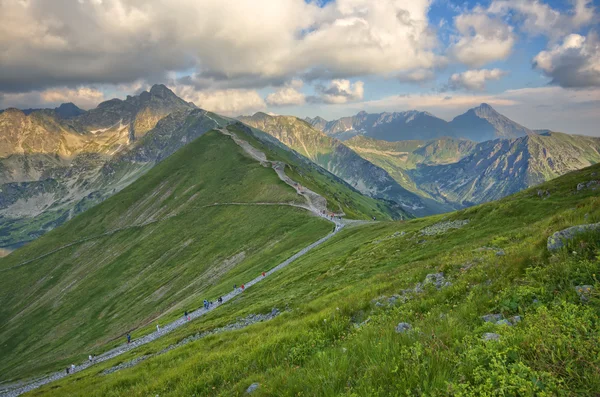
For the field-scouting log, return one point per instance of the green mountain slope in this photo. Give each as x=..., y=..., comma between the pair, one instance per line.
x=348, y=298
x=338, y=159
x=155, y=248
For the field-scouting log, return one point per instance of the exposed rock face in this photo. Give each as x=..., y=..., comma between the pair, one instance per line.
x=57, y=163
x=561, y=238
x=485, y=123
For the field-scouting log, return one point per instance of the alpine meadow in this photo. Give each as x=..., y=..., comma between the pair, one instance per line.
x=299, y=198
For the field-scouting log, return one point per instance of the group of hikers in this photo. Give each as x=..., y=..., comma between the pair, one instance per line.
x=207, y=305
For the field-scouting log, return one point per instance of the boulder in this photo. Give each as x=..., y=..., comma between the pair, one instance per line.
x=558, y=239
x=492, y=318
x=403, y=327
x=252, y=388
x=490, y=336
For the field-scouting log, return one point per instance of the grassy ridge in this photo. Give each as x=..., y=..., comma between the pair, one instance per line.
x=317, y=348
x=165, y=252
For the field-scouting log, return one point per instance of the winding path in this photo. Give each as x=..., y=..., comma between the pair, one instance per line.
x=316, y=204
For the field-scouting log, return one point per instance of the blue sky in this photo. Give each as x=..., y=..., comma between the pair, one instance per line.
x=538, y=62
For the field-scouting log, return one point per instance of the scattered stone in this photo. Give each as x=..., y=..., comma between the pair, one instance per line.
x=379, y=304
x=584, y=292
x=515, y=319
x=492, y=318
x=580, y=186
x=504, y=322
x=252, y=388
x=443, y=227
x=421, y=241
x=558, y=239
x=437, y=279
x=398, y=234
x=403, y=327
x=586, y=185
x=490, y=336
x=500, y=253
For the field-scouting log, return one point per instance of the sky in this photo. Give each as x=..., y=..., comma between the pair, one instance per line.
x=537, y=62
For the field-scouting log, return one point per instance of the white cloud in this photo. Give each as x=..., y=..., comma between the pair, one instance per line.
x=340, y=91
x=226, y=43
x=84, y=97
x=482, y=39
x=287, y=95
x=229, y=102
x=573, y=63
x=536, y=17
x=474, y=79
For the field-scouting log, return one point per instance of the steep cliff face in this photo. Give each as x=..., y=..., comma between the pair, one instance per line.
x=53, y=167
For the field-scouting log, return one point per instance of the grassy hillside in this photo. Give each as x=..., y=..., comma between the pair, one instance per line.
x=338, y=338
x=147, y=254
x=333, y=155
x=339, y=194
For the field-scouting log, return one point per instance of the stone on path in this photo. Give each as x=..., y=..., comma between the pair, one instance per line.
x=560, y=238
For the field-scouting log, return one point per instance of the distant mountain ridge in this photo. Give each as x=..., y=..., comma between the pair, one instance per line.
x=478, y=124
x=53, y=167
x=340, y=160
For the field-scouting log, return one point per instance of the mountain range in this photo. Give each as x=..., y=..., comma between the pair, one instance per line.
x=479, y=124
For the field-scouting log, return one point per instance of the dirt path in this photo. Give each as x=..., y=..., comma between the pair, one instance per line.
x=315, y=203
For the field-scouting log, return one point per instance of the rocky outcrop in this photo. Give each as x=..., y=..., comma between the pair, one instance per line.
x=559, y=239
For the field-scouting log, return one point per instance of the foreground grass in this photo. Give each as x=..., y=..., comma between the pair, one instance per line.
x=317, y=348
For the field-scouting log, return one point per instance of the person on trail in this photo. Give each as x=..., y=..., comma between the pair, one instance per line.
x=128, y=338
x=73, y=368
x=90, y=358
x=234, y=287
x=157, y=328
x=220, y=300
x=243, y=287
x=185, y=315
x=264, y=274
x=67, y=370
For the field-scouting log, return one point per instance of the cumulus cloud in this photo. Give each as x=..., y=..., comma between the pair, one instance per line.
x=230, y=102
x=573, y=63
x=536, y=17
x=481, y=39
x=287, y=95
x=84, y=97
x=228, y=44
x=474, y=79
x=338, y=92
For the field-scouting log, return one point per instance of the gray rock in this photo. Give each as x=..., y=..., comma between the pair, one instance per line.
x=500, y=253
x=492, y=318
x=490, y=336
x=252, y=388
x=504, y=322
x=558, y=239
x=403, y=327
x=443, y=227
x=515, y=319
x=379, y=304
x=580, y=186
x=584, y=292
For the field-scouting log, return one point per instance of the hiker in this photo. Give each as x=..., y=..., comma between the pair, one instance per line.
x=90, y=358
x=220, y=300
x=243, y=287
x=73, y=368
x=234, y=287
x=185, y=315
x=157, y=328
x=264, y=274
x=67, y=370
x=128, y=338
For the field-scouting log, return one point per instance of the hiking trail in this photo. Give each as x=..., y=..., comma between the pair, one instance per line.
x=315, y=204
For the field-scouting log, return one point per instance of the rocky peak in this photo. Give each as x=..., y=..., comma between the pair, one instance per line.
x=67, y=110
x=161, y=91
